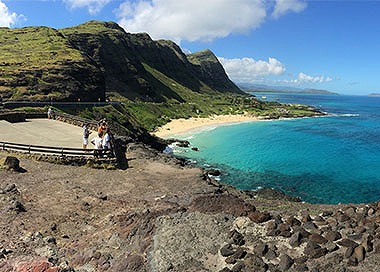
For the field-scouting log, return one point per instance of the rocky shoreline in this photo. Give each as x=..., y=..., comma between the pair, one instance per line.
x=161, y=215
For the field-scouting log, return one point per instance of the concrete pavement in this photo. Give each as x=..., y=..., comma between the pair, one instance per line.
x=44, y=132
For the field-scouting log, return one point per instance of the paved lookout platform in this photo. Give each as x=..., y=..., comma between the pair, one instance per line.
x=46, y=132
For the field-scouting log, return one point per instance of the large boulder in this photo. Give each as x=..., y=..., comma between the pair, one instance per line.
x=13, y=164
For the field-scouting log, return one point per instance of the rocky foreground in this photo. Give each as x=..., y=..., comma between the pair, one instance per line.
x=159, y=215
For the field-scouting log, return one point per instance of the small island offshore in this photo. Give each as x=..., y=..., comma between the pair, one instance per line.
x=158, y=213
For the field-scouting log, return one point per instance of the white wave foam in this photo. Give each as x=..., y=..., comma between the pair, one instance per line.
x=346, y=115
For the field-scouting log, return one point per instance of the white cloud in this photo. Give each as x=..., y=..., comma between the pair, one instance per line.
x=302, y=78
x=7, y=18
x=93, y=6
x=285, y=6
x=191, y=20
x=248, y=69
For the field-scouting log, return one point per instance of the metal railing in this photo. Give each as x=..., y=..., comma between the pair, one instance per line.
x=52, y=150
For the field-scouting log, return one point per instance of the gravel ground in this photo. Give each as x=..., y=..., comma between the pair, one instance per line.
x=158, y=216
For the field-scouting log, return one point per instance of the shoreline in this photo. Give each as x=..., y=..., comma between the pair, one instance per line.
x=183, y=126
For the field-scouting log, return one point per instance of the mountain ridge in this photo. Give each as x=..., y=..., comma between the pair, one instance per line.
x=91, y=60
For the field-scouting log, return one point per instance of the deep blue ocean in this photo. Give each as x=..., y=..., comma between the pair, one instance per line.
x=334, y=159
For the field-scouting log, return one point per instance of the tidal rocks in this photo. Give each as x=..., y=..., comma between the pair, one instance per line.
x=269, y=193
x=222, y=203
x=330, y=241
x=213, y=172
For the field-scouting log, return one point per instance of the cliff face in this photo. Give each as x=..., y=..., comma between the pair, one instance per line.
x=211, y=72
x=39, y=63
x=87, y=61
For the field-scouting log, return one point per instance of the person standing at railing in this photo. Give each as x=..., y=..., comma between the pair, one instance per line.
x=86, y=134
x=50, y=113
x=102, y=126
x=106, y=143
x=98, y=145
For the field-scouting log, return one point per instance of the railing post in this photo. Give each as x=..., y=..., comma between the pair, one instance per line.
x=3, y=146
x=29, y=149
x=62, y=152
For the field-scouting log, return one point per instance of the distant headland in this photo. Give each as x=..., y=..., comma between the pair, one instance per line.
x=281, y=89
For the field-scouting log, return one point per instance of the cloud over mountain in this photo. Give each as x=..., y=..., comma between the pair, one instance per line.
x=199, y=20
x=302, y=77
x=93, y=6
x=7, y=18
x=285, y=6
x=248, y=69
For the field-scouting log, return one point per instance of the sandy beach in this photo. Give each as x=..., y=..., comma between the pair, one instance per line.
x=183, y=126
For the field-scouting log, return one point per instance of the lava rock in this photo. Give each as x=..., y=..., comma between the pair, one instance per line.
x=347, y=243
x=259, y=217
x=319, y=239
x=333, y=235
x=331, y=246
x=255, y=263
x=285, y=263
x=17, y=206
x=239, y=253
x=227, y=250
x=260, y=249
x=292, y=221
x=313, y=250
x=10, y=188
x=213, y=172
x=359, y=253
x=295, y=239
x=237, y=238
x=308, y=225
x=12, y=163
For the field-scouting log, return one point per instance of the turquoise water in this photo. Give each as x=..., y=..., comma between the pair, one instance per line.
x=333, y=159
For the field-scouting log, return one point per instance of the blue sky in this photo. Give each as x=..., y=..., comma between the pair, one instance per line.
x=331, y=45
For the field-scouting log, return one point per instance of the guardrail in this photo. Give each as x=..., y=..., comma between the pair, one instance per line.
x=51, y=150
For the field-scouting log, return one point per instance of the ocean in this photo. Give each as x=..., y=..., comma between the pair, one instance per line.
x=333, y=159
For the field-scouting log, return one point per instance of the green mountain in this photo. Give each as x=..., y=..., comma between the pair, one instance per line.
x=97, y=59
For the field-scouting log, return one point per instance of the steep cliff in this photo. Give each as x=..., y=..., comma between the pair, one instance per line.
x=39, y=63
x=211, y=72
x=96, y=58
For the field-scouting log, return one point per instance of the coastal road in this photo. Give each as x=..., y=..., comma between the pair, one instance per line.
x=44, y=132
